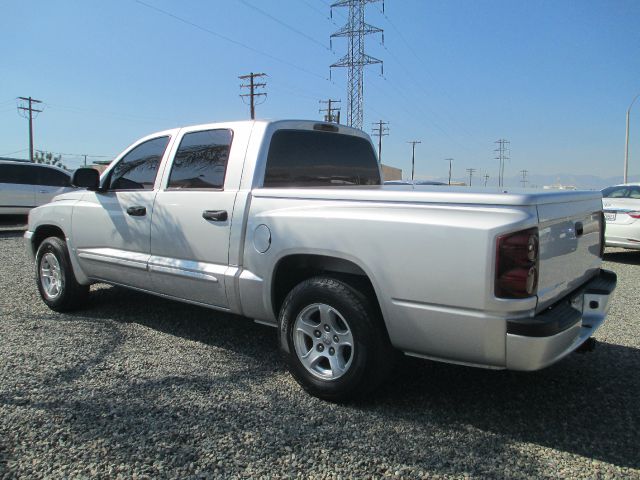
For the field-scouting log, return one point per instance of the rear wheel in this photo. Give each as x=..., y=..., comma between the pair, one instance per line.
x=56, y=281
x=334, y=340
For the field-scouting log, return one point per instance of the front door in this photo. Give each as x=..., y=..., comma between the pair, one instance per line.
x=191, y=221
x=111, y=228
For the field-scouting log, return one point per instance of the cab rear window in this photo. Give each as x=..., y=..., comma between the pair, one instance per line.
x=303, y=158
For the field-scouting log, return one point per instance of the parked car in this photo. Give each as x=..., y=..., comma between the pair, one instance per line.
x=287, y=222
x=25, y=185
x=621, y=205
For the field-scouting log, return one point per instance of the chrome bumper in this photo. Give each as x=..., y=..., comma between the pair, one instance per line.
x=534, y=343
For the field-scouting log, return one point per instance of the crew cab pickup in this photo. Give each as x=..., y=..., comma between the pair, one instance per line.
x=287, y=222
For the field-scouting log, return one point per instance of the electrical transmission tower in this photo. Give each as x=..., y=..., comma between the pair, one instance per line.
x=503, y=155
x=253, y=86
x=450, y=160
x=524, y=180
x=330, y=116
x=413, y=157
x=470, y=170
x=380, y=130
x=22, y=110
x=486, y=178
x=356, y=59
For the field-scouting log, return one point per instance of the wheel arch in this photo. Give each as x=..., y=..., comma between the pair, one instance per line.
x=294, y=268
x=45, y=231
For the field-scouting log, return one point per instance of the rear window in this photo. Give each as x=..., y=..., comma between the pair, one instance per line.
x=302, y=158
x=626, y=191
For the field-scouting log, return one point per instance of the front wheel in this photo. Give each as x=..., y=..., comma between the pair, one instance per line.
x=56, y=281
x=333, y=339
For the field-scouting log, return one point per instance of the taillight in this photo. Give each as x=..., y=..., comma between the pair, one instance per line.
x=517, y=264
x=634, y=214
x=603, y=226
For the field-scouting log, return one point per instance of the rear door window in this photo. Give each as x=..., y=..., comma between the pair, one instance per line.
x=52, y=177
x=305, y=158
x=137, y=170
x=201, y=160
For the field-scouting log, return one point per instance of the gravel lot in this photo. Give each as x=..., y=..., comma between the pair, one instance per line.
x=138, y=387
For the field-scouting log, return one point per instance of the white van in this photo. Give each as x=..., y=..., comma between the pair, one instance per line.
x=25, y=185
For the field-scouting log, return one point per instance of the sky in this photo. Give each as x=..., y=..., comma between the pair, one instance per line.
x=554, y=77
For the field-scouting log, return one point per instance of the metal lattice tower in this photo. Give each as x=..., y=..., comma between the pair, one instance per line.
x=356, y=58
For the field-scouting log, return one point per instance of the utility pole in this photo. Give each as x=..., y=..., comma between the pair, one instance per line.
x=356, y=59
x=330, y=116
x=252, y=86
x=524, y=180
x=486, y=177
x=450, y=160
x=30, y=101
x=503, y=155
x=413, y=157
x=626, y=142
x=470, y=170
x=380, y=130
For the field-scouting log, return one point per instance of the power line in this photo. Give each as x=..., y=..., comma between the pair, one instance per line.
x=503, y=155
x=277, y=20
x=356, y=59
x=413, y=157
x=30, y=101
x=253, y=86
x=422, y=63
x=380, y=129
x=12, y=153
x=330, y=116
x=230, y=40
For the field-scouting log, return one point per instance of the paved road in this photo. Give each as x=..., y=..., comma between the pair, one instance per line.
x=138, y=387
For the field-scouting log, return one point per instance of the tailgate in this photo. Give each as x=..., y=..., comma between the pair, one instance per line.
x=569, y=247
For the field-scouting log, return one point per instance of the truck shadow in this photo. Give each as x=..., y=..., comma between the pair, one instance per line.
x=587, y=404
x=628, y=257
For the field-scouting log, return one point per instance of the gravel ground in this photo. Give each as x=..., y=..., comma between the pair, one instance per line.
x=138, y=387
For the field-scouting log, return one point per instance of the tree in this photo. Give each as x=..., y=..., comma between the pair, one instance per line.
x=48, y=158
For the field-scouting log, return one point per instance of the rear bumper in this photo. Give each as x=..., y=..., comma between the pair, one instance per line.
x=536, y=342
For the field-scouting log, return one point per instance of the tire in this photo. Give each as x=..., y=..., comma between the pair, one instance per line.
x=333, y=339
x=56, y=281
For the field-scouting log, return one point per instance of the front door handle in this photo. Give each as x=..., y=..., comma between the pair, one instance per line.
x=215, y=215
x=137, y=211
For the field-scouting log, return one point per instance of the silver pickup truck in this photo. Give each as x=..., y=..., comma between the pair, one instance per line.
x=287, y=222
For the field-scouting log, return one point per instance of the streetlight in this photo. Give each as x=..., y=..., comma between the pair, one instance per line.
x=626, y=144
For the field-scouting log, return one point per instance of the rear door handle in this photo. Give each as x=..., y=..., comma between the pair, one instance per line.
x=215, y=215
x=137, y=211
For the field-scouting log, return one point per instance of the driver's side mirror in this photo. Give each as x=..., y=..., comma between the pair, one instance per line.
x=88, y=178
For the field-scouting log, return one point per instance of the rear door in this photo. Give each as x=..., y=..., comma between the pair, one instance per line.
x=50, y=182
x=17, y=188
x=111, y=228
x=192, y=219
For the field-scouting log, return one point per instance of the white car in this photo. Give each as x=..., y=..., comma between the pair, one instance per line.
x=621, y=205
x=25, y=185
